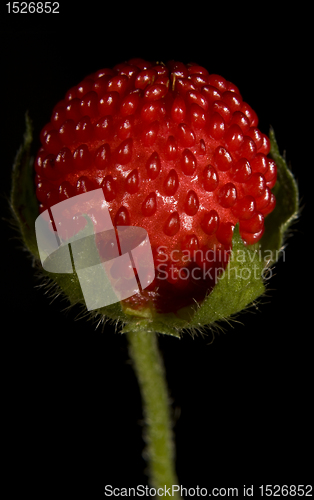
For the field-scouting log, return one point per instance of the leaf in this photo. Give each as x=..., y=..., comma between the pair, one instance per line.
x=23, y=196
x=240, y=284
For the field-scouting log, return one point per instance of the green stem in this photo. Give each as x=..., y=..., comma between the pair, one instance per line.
x=149, y=368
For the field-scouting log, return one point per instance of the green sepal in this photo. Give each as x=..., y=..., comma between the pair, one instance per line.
x=70, y=288
x=286, y=191
x=23, y=201
x=69, y=282
x=239, y=285
x=24, y=205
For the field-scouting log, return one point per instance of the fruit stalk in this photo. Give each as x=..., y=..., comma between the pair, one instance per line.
x=149, y=368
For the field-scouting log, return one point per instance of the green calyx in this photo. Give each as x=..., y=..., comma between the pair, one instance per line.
x=239, y=286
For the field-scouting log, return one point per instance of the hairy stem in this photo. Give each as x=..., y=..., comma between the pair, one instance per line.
x=149, y=368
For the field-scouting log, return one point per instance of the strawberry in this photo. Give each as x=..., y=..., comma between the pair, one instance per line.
x=176, y=151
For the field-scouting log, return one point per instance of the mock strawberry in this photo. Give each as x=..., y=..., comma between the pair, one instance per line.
x=177, y=152
x=174, y=150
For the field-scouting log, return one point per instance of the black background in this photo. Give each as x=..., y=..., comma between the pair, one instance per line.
x=242, y=404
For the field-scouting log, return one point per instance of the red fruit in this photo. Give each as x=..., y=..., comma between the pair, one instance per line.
x=176, y=151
